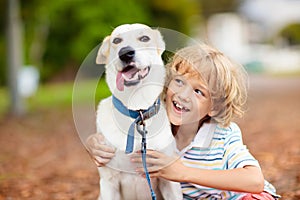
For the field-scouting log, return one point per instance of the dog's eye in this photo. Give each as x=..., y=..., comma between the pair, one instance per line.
x=144, y=38
x=117, y=40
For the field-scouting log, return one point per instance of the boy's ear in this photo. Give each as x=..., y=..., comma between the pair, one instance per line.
x=103, y=51
x=213, y=112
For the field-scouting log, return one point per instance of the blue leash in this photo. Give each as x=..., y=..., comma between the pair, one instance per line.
x=144, y=152
x=139, y=117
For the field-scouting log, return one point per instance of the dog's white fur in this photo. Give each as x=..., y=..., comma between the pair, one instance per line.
x=118, y=179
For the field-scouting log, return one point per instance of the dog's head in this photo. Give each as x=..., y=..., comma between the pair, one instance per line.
x=134, y=68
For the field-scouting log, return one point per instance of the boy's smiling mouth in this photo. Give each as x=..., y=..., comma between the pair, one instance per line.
x=179, y=108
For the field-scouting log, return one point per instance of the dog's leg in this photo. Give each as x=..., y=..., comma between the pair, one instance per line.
x=109, y=184
x=109, y=190
x=169, y=189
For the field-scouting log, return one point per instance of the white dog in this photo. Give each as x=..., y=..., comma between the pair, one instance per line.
x=135, y=75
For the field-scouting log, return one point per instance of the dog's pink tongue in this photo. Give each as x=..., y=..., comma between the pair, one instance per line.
x=120, y=81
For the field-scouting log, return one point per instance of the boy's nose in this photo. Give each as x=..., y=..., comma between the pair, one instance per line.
x=185, y=93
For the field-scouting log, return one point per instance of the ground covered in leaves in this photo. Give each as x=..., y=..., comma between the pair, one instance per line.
x=41, y=155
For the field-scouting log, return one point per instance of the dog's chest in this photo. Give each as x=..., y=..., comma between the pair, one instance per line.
x=114, y=126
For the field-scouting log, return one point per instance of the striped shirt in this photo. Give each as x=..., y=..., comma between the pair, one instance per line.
x=217, y=148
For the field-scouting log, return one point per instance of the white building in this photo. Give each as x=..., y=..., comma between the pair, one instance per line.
x=243, y=36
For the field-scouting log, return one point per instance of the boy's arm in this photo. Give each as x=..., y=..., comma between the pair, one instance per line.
x=248, y=179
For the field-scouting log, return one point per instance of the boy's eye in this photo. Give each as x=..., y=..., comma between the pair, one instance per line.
x=197, y=91
x=179, y=81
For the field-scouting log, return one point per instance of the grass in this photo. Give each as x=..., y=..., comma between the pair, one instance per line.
x=58, y=95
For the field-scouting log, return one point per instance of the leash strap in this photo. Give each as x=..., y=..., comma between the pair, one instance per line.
x=144, y=152
x=139, y=117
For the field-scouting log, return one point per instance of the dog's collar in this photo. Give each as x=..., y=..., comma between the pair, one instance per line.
x=138, y=115
x=122, y=109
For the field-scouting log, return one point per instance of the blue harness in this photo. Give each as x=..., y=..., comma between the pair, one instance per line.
x=139, y=117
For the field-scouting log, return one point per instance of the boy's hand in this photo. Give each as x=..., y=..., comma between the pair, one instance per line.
x=160, y=165
x=100, y=152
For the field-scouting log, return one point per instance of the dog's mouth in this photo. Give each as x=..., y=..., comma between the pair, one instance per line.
x=130, y=76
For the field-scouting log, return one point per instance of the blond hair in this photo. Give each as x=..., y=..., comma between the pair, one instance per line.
x=226, y=80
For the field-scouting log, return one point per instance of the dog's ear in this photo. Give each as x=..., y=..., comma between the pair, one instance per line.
x=161, y=46
x=103, y=51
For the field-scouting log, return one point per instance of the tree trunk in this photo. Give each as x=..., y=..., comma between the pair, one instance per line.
x=15, y=55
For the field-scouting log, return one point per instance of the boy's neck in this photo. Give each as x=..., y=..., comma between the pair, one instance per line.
x=185, y=133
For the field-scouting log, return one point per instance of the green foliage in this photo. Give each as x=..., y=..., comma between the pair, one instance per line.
x=177, y=15
x=2, y=62
x=2, y=43
x=57, y=95
x=59, y=34
x=76, y=27
x=291, y=33
x=216, y=6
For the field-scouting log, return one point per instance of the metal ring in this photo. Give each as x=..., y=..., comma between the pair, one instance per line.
x=142, y=117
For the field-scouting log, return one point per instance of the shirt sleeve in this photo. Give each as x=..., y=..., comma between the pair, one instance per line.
x=236, y=154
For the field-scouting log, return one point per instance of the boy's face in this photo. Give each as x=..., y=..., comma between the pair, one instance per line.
x=187, y=100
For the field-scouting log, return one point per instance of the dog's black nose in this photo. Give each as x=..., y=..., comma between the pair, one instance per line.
x=126, y=54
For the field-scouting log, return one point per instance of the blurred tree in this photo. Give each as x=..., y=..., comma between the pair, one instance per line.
x=14, y=55
x=3, y=14
x=291, y=34
x=59, y=34
x=217, y=6
x=178, y=15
